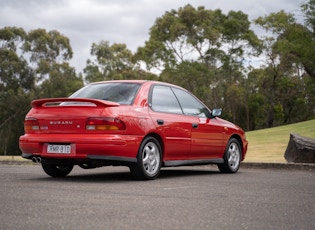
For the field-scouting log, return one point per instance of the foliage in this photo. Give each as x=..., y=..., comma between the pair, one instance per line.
x=112, y=62
x=62, y=81
x=32, y=65
x=210, y=37
x=289, y=51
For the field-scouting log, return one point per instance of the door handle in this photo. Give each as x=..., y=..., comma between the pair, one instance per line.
x=159, y=121
x=194, y=125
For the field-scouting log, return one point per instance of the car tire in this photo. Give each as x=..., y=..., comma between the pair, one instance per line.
x=57, y=170
x=149, y=160
x=232, y=157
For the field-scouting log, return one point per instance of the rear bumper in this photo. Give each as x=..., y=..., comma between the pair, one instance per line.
x=83, y=146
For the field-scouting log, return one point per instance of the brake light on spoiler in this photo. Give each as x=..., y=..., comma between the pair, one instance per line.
x=46, y=102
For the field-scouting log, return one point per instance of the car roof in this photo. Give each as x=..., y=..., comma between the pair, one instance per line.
x=139, y=82
x=118, y=81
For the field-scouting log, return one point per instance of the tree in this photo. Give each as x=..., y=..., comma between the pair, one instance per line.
x=14, y=104
x=113, y=62
x=16, y=84
x=203, y=51
x=289, y=47
x=109, y=60
x=45, y=49
x=308, y=9
x=49, y=46
x=14, y=72
x=49, y=53
x=198, y=34
x=189, y=75
x=12, y=38
x=32, y=65
x=62, y=81
x=295, y=42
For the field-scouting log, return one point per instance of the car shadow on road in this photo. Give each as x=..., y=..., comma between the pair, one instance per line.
x=123, y=175
x=186, y=172
x=109, y=177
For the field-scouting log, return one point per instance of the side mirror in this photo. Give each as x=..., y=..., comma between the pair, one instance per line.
x=216, y=112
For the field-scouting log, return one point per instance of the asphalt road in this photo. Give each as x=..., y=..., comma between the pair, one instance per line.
x=181, y=198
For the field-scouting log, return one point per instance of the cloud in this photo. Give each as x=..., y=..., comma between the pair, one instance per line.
x=120, y=21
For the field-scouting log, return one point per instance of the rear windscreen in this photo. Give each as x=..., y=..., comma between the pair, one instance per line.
x=122, y=93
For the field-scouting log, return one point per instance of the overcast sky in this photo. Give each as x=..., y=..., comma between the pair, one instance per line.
x=116, y=21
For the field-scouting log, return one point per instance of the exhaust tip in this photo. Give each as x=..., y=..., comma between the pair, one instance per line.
x=37, y=159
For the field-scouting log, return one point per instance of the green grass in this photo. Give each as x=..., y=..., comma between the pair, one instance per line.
x=269, y=145
x=12, y=158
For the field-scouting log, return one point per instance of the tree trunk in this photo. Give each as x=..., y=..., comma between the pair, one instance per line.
x=300, y=149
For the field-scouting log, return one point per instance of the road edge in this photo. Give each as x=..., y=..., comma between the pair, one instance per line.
x=244, y=165
x=295, y=166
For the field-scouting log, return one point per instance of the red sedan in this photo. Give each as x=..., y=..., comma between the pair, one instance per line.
x=144, y=125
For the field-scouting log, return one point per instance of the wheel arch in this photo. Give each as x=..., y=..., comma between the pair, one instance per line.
x=159, y=139
x=239, y=139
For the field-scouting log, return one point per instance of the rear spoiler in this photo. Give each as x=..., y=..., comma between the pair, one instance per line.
x=45, y=102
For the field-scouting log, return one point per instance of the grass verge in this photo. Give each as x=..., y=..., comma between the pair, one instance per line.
x=269, y=145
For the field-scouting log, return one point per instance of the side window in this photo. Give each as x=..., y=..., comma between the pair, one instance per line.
x=164, y=100
x=190, y=105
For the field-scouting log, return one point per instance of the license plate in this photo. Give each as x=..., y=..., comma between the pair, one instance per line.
x=59, y=149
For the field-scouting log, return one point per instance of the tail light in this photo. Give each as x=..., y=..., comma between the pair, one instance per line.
x=104, y=123
x=31, y=125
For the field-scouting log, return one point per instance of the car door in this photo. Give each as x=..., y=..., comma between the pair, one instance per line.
x=171, y=123
x=206, y=133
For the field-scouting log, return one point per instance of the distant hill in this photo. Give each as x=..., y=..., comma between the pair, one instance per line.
x=269, y=145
